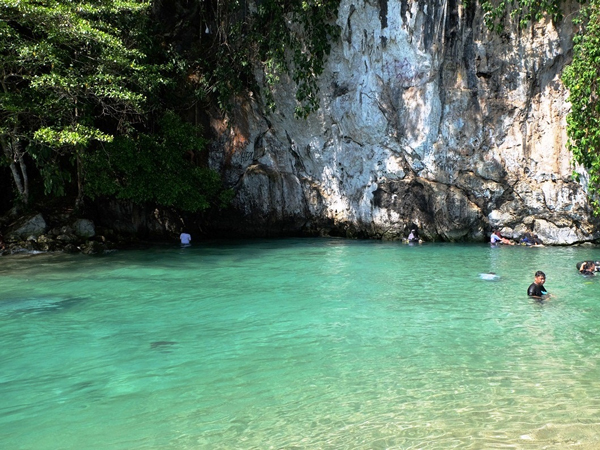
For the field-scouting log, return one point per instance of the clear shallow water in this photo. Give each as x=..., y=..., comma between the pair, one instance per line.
x=299, y=344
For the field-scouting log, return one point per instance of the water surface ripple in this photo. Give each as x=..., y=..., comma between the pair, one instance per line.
x=299, y=344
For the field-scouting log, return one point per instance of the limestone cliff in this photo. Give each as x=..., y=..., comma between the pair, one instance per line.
x=426, y=118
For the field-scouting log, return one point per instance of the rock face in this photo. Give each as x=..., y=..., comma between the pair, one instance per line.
x=426, y=118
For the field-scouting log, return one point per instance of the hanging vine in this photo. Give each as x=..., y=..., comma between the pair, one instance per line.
x=581, y=78
x=522, y=11
x=279, y=37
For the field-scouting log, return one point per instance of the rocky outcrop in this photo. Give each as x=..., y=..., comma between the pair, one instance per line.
x=29, y=227
x=32, y=234
x=426, y=118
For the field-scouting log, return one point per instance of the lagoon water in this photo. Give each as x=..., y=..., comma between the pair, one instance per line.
x=299, y=344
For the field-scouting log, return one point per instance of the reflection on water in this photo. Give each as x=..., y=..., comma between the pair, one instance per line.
x=296, y=343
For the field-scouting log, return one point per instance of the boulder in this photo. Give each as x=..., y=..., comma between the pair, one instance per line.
x=30, y=227
x=84, y=228
x=70, y=238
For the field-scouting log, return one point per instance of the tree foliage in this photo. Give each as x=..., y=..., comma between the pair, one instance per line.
x=76, y=75
x=522, y=12
x=87, y=87
x=128, y=168
x=64, y=63
x=582, y=77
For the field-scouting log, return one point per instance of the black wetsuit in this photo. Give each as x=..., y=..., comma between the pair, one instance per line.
x=536, y=290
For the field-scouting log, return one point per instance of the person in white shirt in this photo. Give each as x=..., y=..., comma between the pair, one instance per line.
x=413, y=236
x=497, y=238
x=185, y=238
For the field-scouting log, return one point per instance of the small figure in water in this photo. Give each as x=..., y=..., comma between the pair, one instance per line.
x=531, y=240
x=490, y=276
x=497, y=238
x=414, y=236
x=587, y=268
x=185, y=238
x=537, y=289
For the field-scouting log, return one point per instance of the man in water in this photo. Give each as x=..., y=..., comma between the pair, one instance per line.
x=185, y=238
x=587, y=268
x=537, y=289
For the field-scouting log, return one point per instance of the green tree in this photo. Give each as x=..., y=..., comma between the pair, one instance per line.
x=64, y=64
x=158, y=168
x=82, y=81
x=521, y=12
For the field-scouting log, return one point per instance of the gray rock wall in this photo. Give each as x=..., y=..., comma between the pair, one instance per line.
x=426, y=118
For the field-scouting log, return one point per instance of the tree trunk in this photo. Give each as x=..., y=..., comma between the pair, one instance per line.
x=79, y=200
x=19, y=173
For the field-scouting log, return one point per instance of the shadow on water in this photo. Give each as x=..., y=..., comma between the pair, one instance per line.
x=38, y=305
x=163, y=346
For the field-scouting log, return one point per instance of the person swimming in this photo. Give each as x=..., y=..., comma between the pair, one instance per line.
x=185, y=239
x=531, y=239
x=587, y=267
x=490, y=276
x=413, y=236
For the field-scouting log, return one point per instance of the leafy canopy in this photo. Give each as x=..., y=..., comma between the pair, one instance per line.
x=523, y=12
x=66, y=62
x=81, y=82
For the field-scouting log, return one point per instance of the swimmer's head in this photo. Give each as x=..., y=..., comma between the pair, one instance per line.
x=540, y=277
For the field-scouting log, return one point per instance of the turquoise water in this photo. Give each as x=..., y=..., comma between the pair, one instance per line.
x=299, y=344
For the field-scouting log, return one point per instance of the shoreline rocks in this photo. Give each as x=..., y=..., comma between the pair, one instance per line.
x=72, y=235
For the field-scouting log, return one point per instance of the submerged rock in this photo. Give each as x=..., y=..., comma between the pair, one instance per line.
x=93, y=248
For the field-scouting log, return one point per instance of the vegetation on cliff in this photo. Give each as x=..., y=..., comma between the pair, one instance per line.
x=236, y=37
x=523, y=12
x=93, y=91
x=582, y=78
